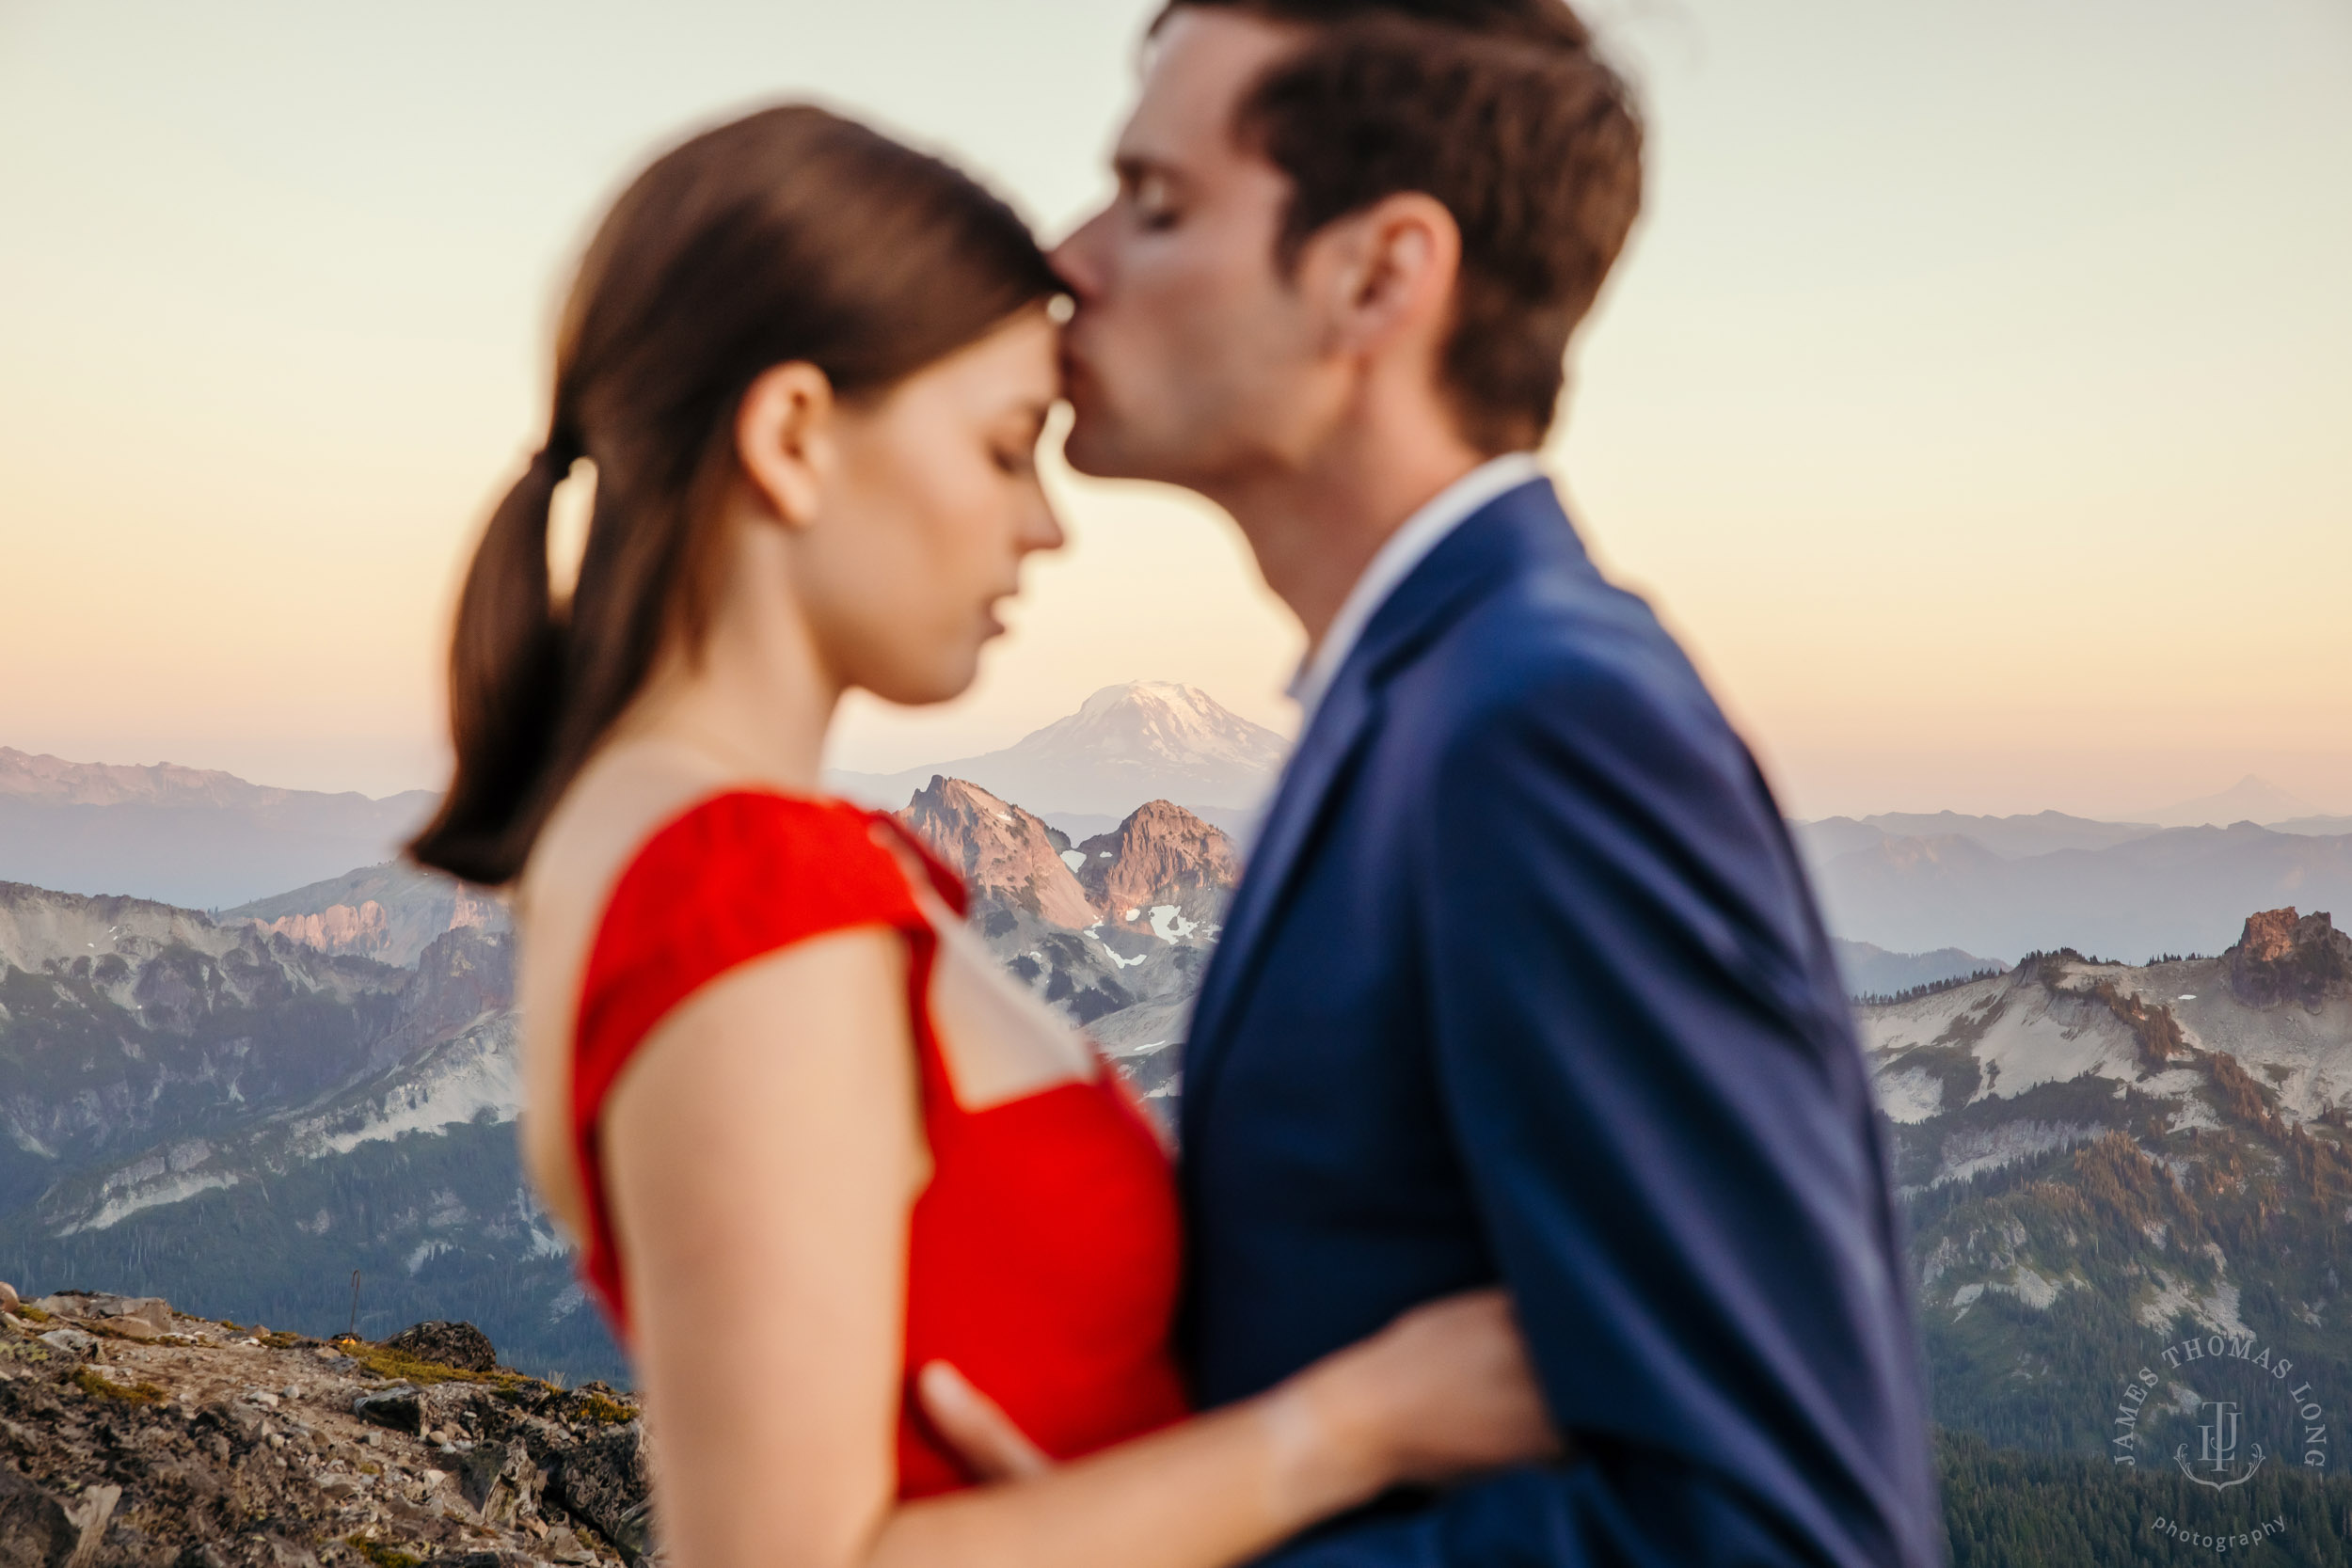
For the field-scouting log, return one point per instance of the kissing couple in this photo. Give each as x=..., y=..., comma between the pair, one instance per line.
x=1530, y=1208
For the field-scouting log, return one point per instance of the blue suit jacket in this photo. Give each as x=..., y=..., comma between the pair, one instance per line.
x=1524, y=984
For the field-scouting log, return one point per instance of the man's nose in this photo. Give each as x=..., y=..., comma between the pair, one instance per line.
x=1074, y=260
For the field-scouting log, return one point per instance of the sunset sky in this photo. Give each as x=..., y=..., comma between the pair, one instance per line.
x=1976, y=398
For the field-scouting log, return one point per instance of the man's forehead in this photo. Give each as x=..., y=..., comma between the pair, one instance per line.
x=1196, y=68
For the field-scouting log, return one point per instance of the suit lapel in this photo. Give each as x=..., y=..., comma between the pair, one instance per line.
x=1341, y=725
x=1478, y=557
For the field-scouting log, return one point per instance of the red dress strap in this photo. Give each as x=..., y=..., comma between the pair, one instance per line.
x=732, y=879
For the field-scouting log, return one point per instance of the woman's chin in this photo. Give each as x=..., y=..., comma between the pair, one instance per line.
x=927, y=688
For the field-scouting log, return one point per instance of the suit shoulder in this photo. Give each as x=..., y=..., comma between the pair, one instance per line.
x=1569, y=658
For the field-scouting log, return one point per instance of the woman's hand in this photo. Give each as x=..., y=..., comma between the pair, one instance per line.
x=977, y=1427
x=1444, y=1391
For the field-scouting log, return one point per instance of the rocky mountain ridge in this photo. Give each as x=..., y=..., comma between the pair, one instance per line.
x=389, y=912
x=1163, y=868
x=1115, y=931
x=1004, y=854
x=2098, y=1159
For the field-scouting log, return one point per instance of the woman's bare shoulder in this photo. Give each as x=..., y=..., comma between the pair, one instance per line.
x=618, y=801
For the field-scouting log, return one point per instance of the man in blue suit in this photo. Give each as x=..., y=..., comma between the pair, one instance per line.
x=1523, y=983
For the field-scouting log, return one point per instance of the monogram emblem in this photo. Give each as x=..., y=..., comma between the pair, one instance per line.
x=2217, y=1464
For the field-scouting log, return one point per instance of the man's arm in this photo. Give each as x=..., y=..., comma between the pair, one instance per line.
x=1655, y=1093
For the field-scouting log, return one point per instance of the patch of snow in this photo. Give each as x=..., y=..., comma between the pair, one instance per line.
x=2031, y=1289
x=477, y=1073
x=1075, y=860
x=2193, y=1114
x=25, y=1141
x=424, y=1253
x=172, y=1189
x=1168, y=923
x=1105, y=855
x=1989, y=1148
x=1910, y=1095
x=2217, y=1311
x=568, y=1301
x=1112, y=953
x=2023, y=1282
x=1134, y=914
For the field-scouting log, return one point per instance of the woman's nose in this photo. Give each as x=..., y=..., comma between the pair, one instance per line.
x=1045, y=531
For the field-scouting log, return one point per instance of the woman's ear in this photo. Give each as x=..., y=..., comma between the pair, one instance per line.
x=783, y=440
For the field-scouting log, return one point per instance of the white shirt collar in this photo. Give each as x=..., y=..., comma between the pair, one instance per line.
x=1407, y=548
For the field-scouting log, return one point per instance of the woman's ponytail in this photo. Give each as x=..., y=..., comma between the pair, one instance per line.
x=507, y=664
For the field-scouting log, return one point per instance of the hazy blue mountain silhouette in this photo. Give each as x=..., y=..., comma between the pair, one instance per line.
x=181, y=836
x=2169, y=892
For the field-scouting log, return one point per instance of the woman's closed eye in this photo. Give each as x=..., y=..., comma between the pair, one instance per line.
x=1013, y=446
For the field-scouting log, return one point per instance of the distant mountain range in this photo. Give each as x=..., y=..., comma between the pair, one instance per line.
x=390, y=913
x=2166, y=891
x=2094, y=1158
x=1870, y=971
x=2009, y=885
x=235, y=1112
x=2101, y=1160
x=220, y=1114
x=2249, y=799
x=1147, y=740
x=181, y=836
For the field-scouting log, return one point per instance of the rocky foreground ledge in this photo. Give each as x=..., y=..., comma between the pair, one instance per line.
x=133, y=1435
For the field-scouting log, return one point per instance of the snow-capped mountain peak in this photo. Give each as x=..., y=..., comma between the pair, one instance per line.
x=1127, y=744
x=1145, y=722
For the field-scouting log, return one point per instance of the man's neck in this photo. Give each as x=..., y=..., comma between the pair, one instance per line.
x=1317, y=525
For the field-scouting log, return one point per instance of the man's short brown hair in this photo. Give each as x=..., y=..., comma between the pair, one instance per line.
x=1501, y=111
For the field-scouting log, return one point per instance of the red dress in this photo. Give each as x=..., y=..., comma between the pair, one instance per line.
x=1042, y=1255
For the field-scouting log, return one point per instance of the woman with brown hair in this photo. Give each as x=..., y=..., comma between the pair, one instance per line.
x=818, y=1150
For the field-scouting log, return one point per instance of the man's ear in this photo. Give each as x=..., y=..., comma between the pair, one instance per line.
x=784, y=438
x=1392, y=268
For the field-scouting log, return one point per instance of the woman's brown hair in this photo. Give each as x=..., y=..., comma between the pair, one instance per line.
x=790, y=235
